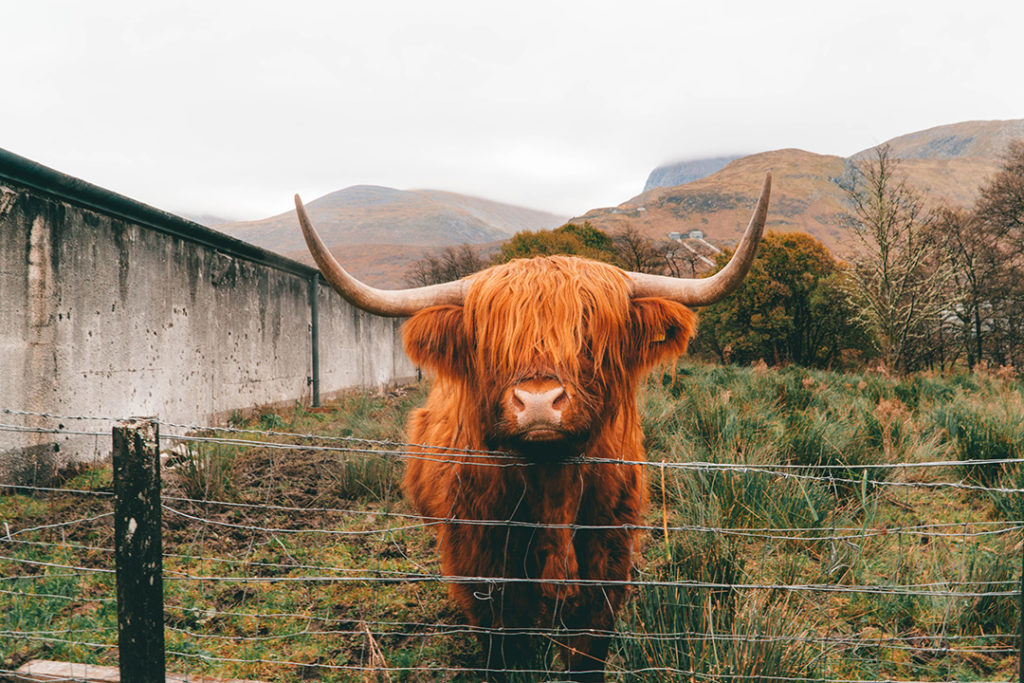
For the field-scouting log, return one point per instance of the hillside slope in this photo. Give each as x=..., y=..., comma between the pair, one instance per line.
x=369, y=214
x=805, y=196
x=947, y=164
x=964, y=140
x=385, y=265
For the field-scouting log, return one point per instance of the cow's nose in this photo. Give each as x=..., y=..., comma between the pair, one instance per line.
x=538, y=407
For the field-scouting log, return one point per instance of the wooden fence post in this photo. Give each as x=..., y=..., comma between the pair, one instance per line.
x=138, y=551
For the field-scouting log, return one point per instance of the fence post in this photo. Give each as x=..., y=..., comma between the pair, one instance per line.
x=138, y=550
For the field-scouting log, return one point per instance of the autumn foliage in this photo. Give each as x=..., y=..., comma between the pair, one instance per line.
x=789, y=309
x=570, y=239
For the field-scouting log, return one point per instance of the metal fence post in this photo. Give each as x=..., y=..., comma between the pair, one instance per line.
x=314, y=314
x=138, y=550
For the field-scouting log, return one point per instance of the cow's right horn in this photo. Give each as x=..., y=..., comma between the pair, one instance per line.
x=708, y=290
x=394, y=303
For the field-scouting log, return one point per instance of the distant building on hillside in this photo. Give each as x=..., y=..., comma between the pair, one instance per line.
x=691, y=235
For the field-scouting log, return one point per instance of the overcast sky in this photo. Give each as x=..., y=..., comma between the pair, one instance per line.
x=229, y=107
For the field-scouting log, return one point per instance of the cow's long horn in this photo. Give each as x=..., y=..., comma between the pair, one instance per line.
x=704, y=291
x=390, y=302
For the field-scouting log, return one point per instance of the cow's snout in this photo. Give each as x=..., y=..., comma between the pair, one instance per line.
x=537, y=406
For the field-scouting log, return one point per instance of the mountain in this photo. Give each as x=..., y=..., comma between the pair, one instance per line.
x=209, y=220
x=682, y=172
x=381, y=230
x=805, y=196
x=368, y=214
x=966, y=140
x=947, y=164
x=385, y=265
x=377, y=232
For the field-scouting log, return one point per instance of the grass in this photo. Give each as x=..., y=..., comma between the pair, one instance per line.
x=983, y=430
x=204, y=470
x=718, y=632
x=320, y=620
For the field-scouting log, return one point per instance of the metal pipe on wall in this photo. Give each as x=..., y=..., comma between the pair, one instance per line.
x=314, y=314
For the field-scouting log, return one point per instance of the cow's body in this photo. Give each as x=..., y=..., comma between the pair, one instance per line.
x=545, y=494
x=539, y=359
x=564, y=320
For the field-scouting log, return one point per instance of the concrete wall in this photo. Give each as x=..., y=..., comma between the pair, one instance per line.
x=112, y=308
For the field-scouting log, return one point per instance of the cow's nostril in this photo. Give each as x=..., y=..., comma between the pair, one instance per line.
x=560, y=400
x=517, y=401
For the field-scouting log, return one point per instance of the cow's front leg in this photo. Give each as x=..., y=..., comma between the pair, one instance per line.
x=503, y=653
x=503, y=645
x=585, y=653
x=605, y=556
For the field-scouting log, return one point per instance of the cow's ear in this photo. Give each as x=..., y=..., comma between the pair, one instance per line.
x=435, y=338
x=661, y=330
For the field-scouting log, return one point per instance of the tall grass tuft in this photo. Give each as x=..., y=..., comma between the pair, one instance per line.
x=1010, y=505
x=983, y=429
x=368, y=477
x=676, y=633
x=738, y=499
x=985, y=572
x=844, y=441
x=205, y=471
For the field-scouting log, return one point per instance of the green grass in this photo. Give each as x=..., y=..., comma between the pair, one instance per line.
x=758, y=418
x=983, y=430
x=720, y=632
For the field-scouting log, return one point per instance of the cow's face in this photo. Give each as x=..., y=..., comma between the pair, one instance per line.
x=547, y=349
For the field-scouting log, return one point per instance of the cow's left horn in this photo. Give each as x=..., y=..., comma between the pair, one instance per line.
x=394, y=303
x=705, y=291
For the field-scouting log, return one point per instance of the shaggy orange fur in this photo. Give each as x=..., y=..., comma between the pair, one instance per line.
x=556, y=317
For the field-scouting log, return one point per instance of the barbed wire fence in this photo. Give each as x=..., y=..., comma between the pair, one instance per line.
x=131, y=565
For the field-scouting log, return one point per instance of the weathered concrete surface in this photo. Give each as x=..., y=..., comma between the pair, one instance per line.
x=103, y=316
x=41, y=670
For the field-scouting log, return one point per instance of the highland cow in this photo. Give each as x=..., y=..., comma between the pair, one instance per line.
x=531, y=429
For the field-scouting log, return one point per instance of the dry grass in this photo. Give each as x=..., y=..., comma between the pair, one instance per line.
x=703, y=412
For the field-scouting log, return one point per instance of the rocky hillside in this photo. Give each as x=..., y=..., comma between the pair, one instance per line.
x=682, y=172
x=947, y=164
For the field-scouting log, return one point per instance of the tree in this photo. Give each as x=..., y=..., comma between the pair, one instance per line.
x=999, y=212
x=1001, y=202
x=579, y=240
x=983, y=248
x=638, y=253
x=591, y=237
x=450, y=264
x=684, y=261
x=972, y=256
x=789, y=309
x=896, y=283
